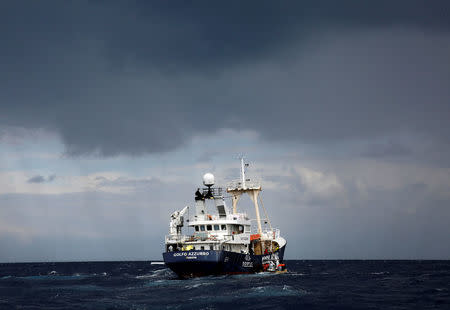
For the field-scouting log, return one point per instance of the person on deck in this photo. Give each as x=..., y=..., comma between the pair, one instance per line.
x=198, y=195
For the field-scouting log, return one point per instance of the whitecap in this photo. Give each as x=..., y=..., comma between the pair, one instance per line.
x=379, y=273
x=198, y=285
x=296, y=274
x=157, y=273
x=275, y=291
x=164, y=283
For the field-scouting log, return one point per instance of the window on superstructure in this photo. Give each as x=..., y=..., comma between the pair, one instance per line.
x=237, y=229
x=208, y=227
x=196, y=228
x=224, y=227
x=202, y=227
x=216, y=227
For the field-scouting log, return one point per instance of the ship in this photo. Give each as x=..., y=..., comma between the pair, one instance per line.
x=223, y=241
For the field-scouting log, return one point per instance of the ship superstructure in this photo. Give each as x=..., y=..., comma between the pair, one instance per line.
x=222, y=241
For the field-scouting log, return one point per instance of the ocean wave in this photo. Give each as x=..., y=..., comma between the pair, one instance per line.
x=6, y=277
x=157, y=273
x=296, y=274
x=275, y=291
x=164, y=282
x=55, y=277
x=379, y=273
x=84, y=287
x=258, y=292
x=196, y=285
x=141, y=286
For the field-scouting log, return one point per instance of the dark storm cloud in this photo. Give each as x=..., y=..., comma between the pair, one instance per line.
x=212, y=34
x=138, y=77
x=41, y=179
x=36, y=179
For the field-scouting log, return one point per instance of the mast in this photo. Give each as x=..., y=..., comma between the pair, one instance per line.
x=254, y=197
x=242, y=173
x=238, y=188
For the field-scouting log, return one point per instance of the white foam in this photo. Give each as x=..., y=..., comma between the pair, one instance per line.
x=378, y=273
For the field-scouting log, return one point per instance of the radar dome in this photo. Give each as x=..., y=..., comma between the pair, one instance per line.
x=208, y=179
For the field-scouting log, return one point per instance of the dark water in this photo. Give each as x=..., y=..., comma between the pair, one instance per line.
x=307, y=285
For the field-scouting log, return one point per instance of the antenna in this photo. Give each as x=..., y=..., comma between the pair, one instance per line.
x=208, y=180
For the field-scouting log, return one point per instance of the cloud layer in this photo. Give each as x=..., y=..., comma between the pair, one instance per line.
x=147, y=77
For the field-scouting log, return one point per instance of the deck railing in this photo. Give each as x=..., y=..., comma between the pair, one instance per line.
x=216, y=217
x=270, y=234
x=266, y=235
x=237, y=184
x=202, y=237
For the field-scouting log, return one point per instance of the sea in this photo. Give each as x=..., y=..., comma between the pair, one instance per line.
x=308, y=284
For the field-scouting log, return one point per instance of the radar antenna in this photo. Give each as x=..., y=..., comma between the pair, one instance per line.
x=208, y=180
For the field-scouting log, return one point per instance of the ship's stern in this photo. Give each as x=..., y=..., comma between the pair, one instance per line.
x=187, y=264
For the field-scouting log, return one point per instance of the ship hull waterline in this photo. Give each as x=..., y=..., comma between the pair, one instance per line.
x=196, y=263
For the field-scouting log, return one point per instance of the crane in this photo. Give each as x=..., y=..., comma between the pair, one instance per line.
x=176, y=221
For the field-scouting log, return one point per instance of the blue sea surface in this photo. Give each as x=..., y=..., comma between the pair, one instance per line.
x=310, y=284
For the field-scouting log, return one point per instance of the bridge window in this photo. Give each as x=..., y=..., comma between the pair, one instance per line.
x=196, y=228
x=224, y=227
x=216, y=227
x=208, y=227
x=202, y=227
x=237, y=229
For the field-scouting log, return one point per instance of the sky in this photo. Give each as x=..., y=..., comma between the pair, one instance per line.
x=111, y=112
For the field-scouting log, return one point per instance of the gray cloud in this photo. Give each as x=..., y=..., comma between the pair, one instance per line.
x=144, y=78
x=90, y=225
x=132, y=184
x=207, y=156
x=36, y=179
x=41, y=179
x=409, y=222
x=388, y=149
